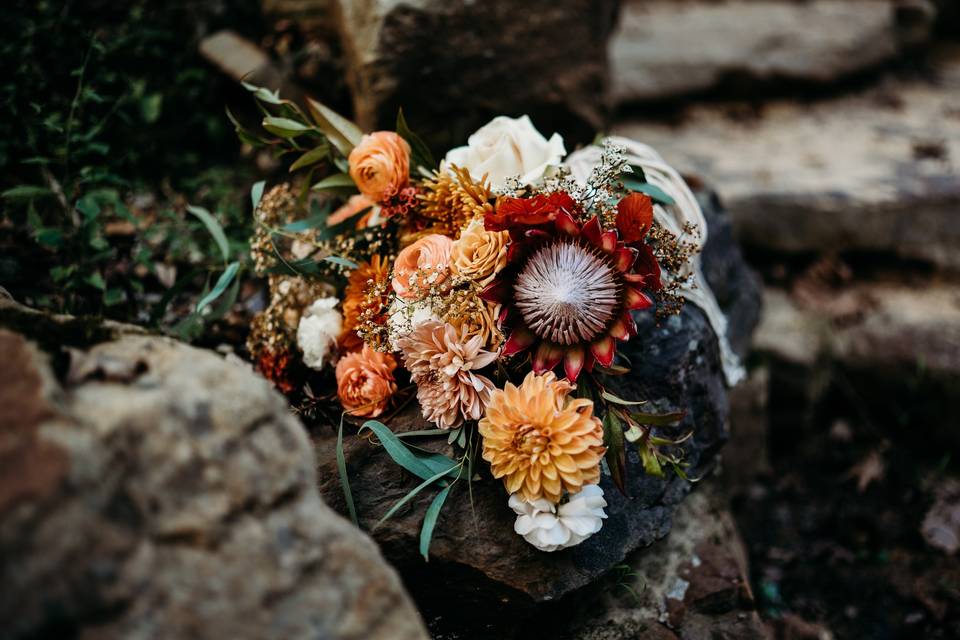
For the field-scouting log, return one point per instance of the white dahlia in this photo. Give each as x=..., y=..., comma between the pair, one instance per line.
x=551, y=527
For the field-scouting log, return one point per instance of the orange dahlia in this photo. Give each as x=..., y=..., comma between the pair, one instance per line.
x=568, y=288
x=357, y=299
x=539, y=440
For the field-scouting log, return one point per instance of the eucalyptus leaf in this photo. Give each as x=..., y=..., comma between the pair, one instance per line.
x=311, y=157
x=262, y=94
x=410, y=496
x=399, y=451
x=656, y=193
x=616, y=453
x=430, y=521
x=344, y=480
x=222, y=283
x=342, y=134
x=213, y=227
x=26, y=192
x=284, y=127
x=256, y=193
x=343, y=262
x=606, y=395
x=335, y=181
x=420, y=155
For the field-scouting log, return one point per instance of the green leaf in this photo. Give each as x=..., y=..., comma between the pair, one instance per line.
x=222, y=283
x=284, y=127
x=342, y=134
x=26, y=192
x=304, y=266
x=651, y=463
x=318, y=219
x=311, y=157
x=410, y=496
x=652, y=190
x=262, y=94
x=151, y=107
x=344, y=480
x=343, y=262
x=113, y=297
x=430, y=521
x=256, y=193
x=213, y=227
x=616, y=453
x=420, y=155
x=96, y=281
x=658, y=420
x=606, y=395
x=50, y=237
x=399, y=451
x=335, y=181
x=422, y=432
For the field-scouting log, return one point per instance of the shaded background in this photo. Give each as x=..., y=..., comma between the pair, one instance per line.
x=829, y=128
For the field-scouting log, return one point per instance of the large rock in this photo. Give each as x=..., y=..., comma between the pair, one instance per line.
x=454, y=64
x=665, y=49
x=157, y=491
x=694, y=585
x=480, y=560
x=873, y=172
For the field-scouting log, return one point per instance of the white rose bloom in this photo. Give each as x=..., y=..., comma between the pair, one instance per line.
x=549, y=528
x=317, y=332
x=508, y=148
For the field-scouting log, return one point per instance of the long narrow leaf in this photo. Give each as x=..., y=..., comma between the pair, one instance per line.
x=652, y=190
x=410, y=496
x=343, y=262
x=256, y=193
x=617, y=400
x=222, y=283
x=311, y=157
x=213, y=227
x=344, y=480
x=341, y=133
x=399, y=451
x=420, y=155
x=336, y=181
x=430, y=521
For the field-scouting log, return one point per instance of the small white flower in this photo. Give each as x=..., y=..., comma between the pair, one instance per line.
x=317, y=332
x=550, y=528
x=508, y=148
x=403, y=317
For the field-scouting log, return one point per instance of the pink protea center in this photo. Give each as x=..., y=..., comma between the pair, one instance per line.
x=567, y=292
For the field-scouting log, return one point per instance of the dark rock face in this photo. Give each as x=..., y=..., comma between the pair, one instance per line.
x=156, y=491
x=456, y=64
x=481, y=560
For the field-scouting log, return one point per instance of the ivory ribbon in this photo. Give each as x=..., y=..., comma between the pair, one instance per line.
x=674, y=217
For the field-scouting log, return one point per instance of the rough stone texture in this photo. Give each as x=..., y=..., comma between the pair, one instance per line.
x=873, y=172
x=665, y=49
x=896, y=345
x=454, y=64
x=484, y=561
x=162, y=492
x=692, y=585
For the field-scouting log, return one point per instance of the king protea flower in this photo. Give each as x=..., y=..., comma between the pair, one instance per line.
x=568, y=288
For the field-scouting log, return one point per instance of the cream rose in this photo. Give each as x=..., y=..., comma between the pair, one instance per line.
x=508, y=148
x=479, y=254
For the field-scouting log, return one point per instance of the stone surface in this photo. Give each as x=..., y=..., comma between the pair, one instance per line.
x=873, y=172
x=665, y=49
x=482, y=561
x=158, y=491
x=692, y=585
x=454, y=64
x=896, y=346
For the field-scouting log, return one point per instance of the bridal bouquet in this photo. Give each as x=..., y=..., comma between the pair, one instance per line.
x=494, y=286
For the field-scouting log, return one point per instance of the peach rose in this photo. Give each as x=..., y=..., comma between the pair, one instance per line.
x=351, y=208
x=479, y=254
x=424, y=263
x=365, y=382
x=380, y=165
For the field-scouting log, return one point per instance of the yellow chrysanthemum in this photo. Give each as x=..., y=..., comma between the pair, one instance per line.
x=539, y=440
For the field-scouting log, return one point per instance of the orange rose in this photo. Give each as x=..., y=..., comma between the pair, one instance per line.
x=365, y=382
x=380, y=165
x=354, y=205
x=424, y=263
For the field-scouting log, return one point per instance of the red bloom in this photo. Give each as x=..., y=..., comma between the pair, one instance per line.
x=634, y=217
x=278, y=369
x=534, y=211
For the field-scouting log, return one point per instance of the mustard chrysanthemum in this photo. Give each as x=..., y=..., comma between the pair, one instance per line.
x=541, y=441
